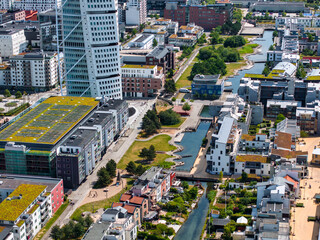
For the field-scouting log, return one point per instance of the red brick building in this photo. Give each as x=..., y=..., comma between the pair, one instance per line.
x=141, y=80
x=206, y=16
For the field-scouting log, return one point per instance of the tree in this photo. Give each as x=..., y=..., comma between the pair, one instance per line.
x=279, y=118
x=284, y=14
x=18, y=94
x=152, y=153
x=234, y=41
x=7, y=93
x=134, y=32
x=186, y=107
x=78, y=230
x=104, y=178
x=111, y=168
x=170, y=73
x=155, y=43
x=183, y=100
x=56, y=233
x=271, y=48
x=131, y=167
x=170, y=86
x=88, y=221
x=140, y=170
x=185, y=185
x=169, y=117
x=244, y=177
x=220, y=176
x=275, y=33
x=25, y=93
x=304, y=134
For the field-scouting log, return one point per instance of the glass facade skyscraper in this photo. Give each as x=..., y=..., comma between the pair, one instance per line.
x=91, y=49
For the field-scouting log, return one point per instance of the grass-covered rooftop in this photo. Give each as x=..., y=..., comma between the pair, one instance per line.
x=10, y=210
x=50, y=121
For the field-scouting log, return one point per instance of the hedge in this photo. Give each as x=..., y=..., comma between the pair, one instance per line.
x=299, y=205
x=313, y=219
x=16, y=110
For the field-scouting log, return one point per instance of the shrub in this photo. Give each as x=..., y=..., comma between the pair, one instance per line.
x=11, y=104
x=299, y=205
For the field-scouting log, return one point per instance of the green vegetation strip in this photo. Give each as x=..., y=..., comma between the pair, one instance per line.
x=51, y=221
x=161, y=144
x=176, y=125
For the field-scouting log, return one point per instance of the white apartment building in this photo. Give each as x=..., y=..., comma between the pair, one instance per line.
x=142, y=41
x=136, y=12
x=39, y=5
x=300, y=21
x=5, y=4
x=252, y=164
x=91, y=51
x=34, y=70
x=223, y=147
x=25, y=211
x=12, y=42
x=254, y=144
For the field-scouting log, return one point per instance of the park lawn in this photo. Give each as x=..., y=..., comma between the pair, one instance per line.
x=160, y=143
x=176, y=125
x=183, y=81
x=106, y=203
x=248, y=48
x=160, y=161
x=232, y=67
x=51, y=221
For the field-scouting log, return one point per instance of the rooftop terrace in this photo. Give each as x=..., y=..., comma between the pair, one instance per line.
x=50, y=121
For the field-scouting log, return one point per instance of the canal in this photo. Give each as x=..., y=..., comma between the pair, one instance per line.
x=192, y=228
x=191, y=143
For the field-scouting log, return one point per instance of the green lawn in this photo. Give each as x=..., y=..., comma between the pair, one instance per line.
x=231, y=67
x=183, y=80
x=51, y=221
x=160, y=143
x=106, y=203
x=248, y=48
x=176, y=125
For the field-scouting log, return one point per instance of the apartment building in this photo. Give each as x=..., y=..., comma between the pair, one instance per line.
x=252, y=164
x=162, y=56
x=205, y=16
x=254, y=144
x=136, y=12
x=55, y=187
x=223, y=147
x=141, y=80
x=26, y=210
x=153, y=184
x=285, y=107
x=283, y=141
x=307, y=119
x=38, y=5
x=37, y=71
x=115, y=223
x=304, y=21
x=12, y=42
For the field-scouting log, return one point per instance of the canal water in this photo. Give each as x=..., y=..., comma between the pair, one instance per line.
x=192, y=228
x=191, y=143
x=265, y=43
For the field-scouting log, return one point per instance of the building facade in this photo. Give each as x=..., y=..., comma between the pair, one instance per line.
x=33, y=71
x=12, y=42
x=207, y=85
x=92, y=60
x=136, y=12
x=206, y=16
x=141, y=80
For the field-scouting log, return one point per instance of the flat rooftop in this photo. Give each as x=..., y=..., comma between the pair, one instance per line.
x=21, y=198
x=142, y=38
x=49, y=121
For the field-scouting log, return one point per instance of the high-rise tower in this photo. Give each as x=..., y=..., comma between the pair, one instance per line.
x=91, y=50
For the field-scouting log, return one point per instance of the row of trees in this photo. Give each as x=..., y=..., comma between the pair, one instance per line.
x=18, y=94
x=169, y=117
x=106, y=174
x=186, y=51
x=234, y=41
x=72, y=230
x=135, y=169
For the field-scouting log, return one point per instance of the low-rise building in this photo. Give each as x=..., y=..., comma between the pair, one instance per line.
x=115, y=224
x=254, y=144
x=162, y=56
x=207, y=85
x=142, y=41
x=284, y=69
x=252, y=164
x=284, y=107
x=153, y=184
x=141, y=80
x=182, y=40
x=283, y=141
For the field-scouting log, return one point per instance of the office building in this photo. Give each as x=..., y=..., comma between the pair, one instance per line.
x=142, y=41
x=12, y=42
x=136, y=12
x=207, y=85
x=31, y=143
x=91, y=51
x=289, y=7
x=141, y=80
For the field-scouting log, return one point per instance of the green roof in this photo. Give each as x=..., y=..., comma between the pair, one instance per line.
x=49, y=121
x=33, y=209
x=20, y=223
x=138, y=66
x=10, y=210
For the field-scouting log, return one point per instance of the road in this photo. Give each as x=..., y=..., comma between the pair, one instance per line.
x=83, y=190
